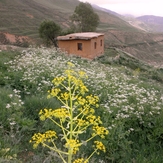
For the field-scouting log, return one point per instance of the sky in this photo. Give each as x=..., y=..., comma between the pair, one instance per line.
x=133, y=7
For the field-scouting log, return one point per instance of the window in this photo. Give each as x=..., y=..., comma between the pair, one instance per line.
x=101, y=42
x=95, y=44
x=79, y=46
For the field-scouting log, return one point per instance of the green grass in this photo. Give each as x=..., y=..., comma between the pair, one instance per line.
x=130, y=97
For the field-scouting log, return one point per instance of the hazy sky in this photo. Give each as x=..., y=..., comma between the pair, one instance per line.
x=134, y=7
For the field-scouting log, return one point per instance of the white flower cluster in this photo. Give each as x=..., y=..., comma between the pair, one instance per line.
x=15, y=100
x=14, y=106
x=119, y=94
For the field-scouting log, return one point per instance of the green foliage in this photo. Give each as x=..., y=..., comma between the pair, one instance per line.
x=14, y=126
x=139, y=69
x=130, y=105
x=34, y=103
x=85, y=18
x=49, y=31
x=4, y=58
x=68, y=31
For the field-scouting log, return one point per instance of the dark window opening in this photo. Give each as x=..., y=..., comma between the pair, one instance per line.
x=95, y=44
x=101, y=42
x=80, y=46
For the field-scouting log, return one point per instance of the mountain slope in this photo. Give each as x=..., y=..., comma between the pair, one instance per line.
x=155, y=23
x=23, y=17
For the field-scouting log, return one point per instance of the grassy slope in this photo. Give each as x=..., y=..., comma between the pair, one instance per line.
x=24, y=17
x=112, y=83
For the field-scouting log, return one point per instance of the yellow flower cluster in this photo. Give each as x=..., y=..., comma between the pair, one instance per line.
x=82, y=74
x=69, y=73
x=92, y=119
x=92, y=100
x=79, y=84
x=99, y=145
x=77, y=113
x=83, y=88
x=81, y=100
x=53, y=92
x=57, y=113
x=86, y=110
x=70, y=64
x=58, y=80
x=41, y=138
x=65, y=96
x=89, y=100
x=81, y=122
x=80, y=160
x=73, y=144
x=101, y=131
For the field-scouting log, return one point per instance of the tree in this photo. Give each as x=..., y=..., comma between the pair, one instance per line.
x=84, y=18
x=49, y=31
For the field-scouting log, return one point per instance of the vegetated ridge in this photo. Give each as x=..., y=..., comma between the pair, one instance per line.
x=23, y=17
x=155, y=23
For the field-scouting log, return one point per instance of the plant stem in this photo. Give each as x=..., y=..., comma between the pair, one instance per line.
x=70, y=150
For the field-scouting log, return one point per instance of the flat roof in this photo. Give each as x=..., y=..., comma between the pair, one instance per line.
x=80, y=36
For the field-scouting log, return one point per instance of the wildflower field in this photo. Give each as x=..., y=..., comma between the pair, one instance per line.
x=129, y=112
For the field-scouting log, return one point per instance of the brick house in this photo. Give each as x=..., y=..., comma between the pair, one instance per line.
x=86, y=45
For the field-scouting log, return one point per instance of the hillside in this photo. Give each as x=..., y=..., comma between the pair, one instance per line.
x=128, y=102
x=23, y=17
x=155, y=23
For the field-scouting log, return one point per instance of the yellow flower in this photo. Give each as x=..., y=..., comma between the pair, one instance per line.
x=57, y=113
x=69, y=73
x=70, y=64
x=99, y=146
x=46, y=113
x=42, y=138
x=92, y=100
x=80, y=160
x=81, y=100
x=91, y=119
x=82, y=74
x=86, y=109
x=53, y=92
x=81, y=122
x=65, y=96
x=73, y=145
x=83, y=89
x=101, y=131
x=61, y=113
x=58, y=80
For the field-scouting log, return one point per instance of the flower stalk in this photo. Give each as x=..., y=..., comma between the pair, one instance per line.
x=76, y=116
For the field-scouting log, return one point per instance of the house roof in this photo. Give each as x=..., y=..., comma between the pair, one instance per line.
x=80, y=36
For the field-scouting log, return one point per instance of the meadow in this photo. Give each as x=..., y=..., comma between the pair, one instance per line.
x=130, y=106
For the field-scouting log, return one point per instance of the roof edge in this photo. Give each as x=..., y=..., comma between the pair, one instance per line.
x=80, y=36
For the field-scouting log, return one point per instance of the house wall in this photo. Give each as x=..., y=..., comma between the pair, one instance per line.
x=88, y=47
x=99, y=49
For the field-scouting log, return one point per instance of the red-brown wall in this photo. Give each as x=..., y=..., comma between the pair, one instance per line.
x=99, y=50
x=88, y=47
